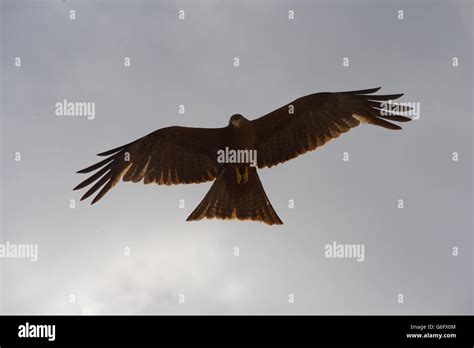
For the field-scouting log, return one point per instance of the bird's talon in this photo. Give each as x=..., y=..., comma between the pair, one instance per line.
x=238, y=176
x=246, y=175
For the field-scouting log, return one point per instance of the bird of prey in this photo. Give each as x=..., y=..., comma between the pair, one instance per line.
x=184, y=155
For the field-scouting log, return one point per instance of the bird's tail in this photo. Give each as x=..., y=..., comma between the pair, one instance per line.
x=237, y=194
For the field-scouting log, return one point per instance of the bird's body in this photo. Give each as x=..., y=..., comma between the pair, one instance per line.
x=177, y=155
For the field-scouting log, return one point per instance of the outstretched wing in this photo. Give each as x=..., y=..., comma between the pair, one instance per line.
x=173, y=155
x=311, y=121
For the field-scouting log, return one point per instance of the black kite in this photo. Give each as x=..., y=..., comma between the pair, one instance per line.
x=183, y=155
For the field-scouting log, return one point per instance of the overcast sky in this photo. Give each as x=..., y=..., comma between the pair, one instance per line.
x=189, y=62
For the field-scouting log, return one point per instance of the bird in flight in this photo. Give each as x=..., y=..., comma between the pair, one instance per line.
x=184, y=155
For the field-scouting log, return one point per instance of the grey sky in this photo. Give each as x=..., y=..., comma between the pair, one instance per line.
x=81, y=251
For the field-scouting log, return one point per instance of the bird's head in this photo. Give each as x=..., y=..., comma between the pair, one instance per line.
x=237, y=120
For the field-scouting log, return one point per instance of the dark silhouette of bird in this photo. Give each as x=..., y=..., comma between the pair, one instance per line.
x=184, y=155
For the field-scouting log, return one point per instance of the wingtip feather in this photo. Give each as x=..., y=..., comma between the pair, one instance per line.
x=366, y=91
